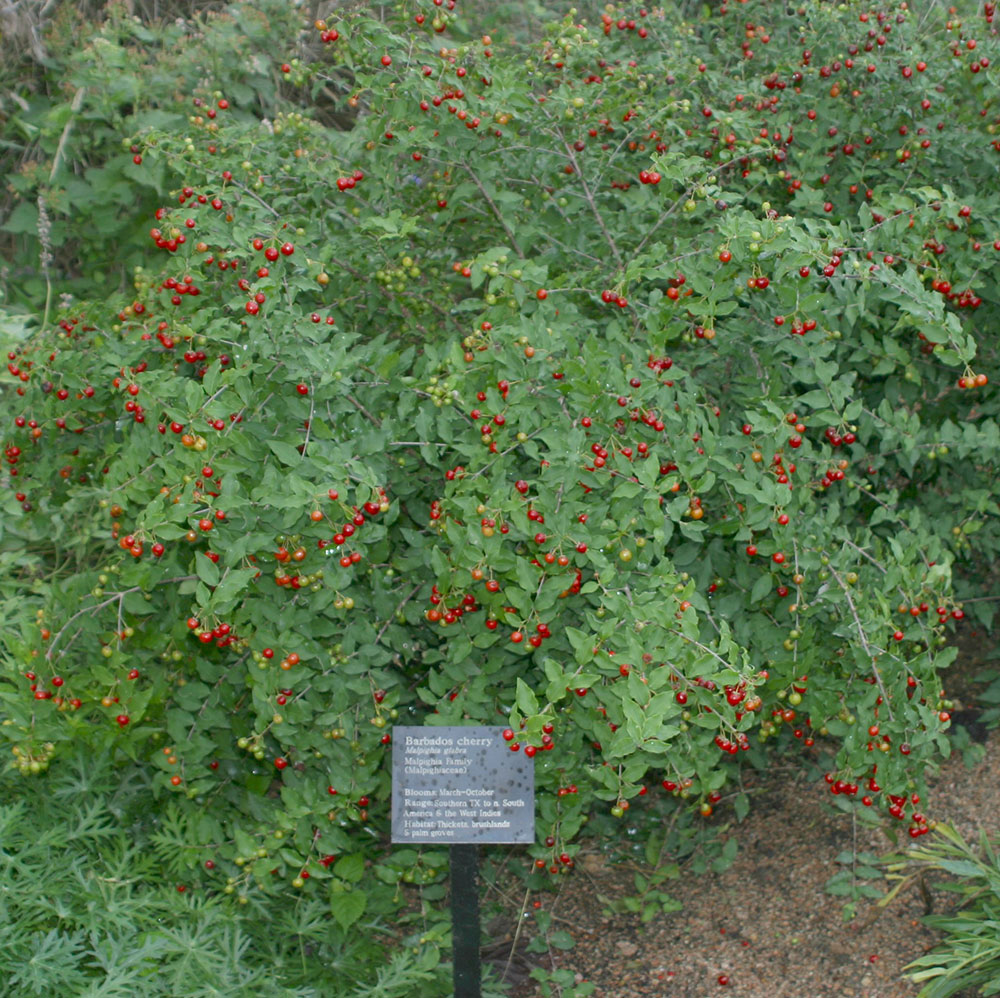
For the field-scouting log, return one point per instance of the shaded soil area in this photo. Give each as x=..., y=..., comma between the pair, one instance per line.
x=767, y=924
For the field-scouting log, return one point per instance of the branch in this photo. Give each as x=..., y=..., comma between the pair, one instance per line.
x=861, y=551
x=406, y=599
x=588, y=194
x=705, y=648
x=100, y=606
x=717, y=168
x=309, y=424
x=246, y=190
x=864, y=641
x=357, y=405
x=496, y=210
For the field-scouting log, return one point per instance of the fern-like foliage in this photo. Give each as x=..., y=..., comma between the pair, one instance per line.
x=90, y=907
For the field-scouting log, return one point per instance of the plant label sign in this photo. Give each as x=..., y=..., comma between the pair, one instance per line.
x=460, y=785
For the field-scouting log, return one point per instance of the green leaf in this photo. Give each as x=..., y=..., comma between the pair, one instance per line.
x=761, y=588
x=347, y=908
x=526, y=701
x=207, y=570
x=232, y=584
x=350, y=868
x=561, y=939
x=285, y=453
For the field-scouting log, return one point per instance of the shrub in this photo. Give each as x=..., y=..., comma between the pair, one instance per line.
x=627, y=387
x=74, y=198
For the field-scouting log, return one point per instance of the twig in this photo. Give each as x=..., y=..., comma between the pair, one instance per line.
x=61, y=148
x=256, y=197
x=312, y=416
x=705, y=648
x=100, y=606
x=496, y=210
x=357, y=405
x=517, y=934
x=392, y=616
x=684, y=197
x=864, y=641
x=588, y=194
x=861, y=551
x=514, y=446
x=44, y=226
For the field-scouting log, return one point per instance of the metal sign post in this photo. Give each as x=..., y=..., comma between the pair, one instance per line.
x=465, y=926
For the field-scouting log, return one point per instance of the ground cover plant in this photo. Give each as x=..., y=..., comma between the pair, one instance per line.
x=622, y=379
x=87, y=910
x=967, y=957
